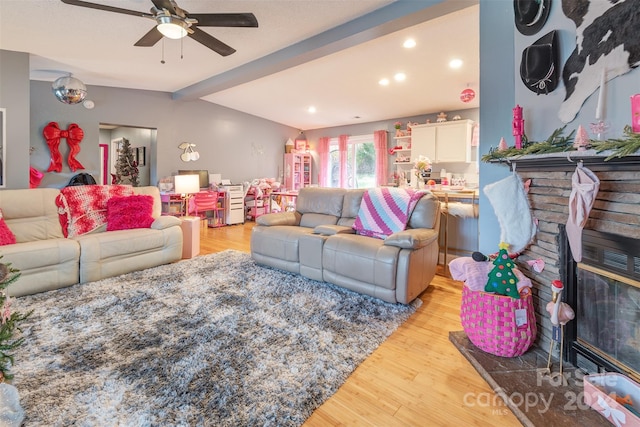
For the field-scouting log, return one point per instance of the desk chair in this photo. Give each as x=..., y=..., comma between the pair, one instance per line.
x=205, y=201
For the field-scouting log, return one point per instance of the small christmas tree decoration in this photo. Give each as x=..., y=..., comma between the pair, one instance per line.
x=126, y=166
x=581, y=142
x=502, y=279
x=8, y=321
x=503, y=145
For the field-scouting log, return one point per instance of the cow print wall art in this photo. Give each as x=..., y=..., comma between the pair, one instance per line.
x=608, y=37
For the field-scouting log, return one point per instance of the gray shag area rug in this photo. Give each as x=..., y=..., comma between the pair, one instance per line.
x=212, y=341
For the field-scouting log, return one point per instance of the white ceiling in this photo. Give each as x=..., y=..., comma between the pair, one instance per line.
x=326, y=53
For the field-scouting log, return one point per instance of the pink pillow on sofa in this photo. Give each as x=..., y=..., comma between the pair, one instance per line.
x=6, y=235
x=127, y=212
x=83, y=208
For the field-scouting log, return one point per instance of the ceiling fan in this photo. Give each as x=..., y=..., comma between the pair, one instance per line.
x=174, y=22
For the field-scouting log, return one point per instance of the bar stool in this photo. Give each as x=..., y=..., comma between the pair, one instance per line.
x=463, y=206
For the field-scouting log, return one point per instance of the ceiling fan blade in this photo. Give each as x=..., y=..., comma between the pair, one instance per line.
x=107, y=8
x=211, y=42
x=149, y=39
x=225, y=19
x=165, y=4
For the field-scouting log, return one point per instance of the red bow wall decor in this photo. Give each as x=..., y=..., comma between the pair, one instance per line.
x=52, y=133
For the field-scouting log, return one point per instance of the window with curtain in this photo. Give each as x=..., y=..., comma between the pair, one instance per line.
x=360, y=162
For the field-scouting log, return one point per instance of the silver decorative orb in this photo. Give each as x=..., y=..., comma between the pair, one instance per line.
x=69, y=90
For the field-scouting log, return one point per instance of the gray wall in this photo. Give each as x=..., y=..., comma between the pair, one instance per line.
x=501, y=89
x=14, y=96
x=237, y=145
x=497, y=100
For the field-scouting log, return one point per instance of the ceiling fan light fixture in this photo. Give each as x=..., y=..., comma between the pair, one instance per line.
x=171, y=27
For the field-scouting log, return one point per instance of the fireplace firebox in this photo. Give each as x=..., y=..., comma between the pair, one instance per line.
x=604, y=290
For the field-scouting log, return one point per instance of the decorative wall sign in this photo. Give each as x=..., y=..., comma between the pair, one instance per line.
x=141, y=156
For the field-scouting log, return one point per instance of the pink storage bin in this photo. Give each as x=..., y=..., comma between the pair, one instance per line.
x=597, y=388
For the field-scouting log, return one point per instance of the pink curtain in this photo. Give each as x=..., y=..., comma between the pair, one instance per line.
x=380, y=147
x=323, y=152
x=342, y=149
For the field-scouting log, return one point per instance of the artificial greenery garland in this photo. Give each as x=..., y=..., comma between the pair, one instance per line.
x=620, y=147
x=556, y=143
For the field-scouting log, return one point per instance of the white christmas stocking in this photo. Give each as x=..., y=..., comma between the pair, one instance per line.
x=509, y=200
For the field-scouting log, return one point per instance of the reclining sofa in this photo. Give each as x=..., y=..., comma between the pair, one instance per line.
x=319, y=242
x=48, y=260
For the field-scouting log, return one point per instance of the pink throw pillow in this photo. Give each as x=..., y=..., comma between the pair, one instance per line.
x=6, y=235
x=83, y=208
x=125, y=213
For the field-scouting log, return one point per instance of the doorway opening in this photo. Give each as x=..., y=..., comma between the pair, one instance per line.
x=143, y=143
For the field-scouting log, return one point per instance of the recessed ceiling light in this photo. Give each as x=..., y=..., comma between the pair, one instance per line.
x=311, y=109
x=400, y=77
x=384, y=82
x=455, y=63
x=409, y=43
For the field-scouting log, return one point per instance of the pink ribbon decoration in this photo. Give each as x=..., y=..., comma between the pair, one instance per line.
x=35, y=176
x=536, y=264
x=52, y=133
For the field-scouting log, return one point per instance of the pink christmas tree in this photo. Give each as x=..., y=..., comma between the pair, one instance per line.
x=582, y=139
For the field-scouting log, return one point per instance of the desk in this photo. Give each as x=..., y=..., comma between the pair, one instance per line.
x=285, y=197
x=172, y=204
x=458, y=203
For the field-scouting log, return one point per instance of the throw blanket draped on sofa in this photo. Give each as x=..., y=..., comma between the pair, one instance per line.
x=384, y=211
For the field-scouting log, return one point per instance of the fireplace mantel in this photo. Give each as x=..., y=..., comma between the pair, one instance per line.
x=567, y=160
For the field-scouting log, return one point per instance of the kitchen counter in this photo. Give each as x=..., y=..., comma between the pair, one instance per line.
x=459, y=227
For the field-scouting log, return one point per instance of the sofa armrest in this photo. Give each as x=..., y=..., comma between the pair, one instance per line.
x=413, y=238
x=165, y=221
x=279, y=218
x=330, y=230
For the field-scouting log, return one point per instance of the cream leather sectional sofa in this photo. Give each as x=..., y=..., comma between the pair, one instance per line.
x=318, y=242
x=47, y=260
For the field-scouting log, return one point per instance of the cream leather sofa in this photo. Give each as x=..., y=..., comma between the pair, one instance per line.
x=318, y=242
x=47, y=260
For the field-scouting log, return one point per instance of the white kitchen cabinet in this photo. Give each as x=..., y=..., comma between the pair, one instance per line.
x=443, y=142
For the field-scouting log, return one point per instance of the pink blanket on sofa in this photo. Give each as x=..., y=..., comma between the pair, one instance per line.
x=83, y=208
x=384, y=211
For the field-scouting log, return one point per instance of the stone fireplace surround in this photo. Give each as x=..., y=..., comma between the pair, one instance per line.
x=616, y=211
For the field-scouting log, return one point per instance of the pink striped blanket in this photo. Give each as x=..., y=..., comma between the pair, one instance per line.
x=384, y=211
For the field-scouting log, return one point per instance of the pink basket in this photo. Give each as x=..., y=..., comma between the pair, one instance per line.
x=489, y=320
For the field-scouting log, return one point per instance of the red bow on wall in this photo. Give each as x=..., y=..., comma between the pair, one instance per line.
x=52, y=133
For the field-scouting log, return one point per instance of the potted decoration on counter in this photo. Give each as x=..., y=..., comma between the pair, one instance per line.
x=422, y=168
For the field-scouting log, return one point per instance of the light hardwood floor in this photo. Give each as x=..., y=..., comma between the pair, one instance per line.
x=415, y=378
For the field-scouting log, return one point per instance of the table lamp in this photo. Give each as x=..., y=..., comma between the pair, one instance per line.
x=187, y=185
